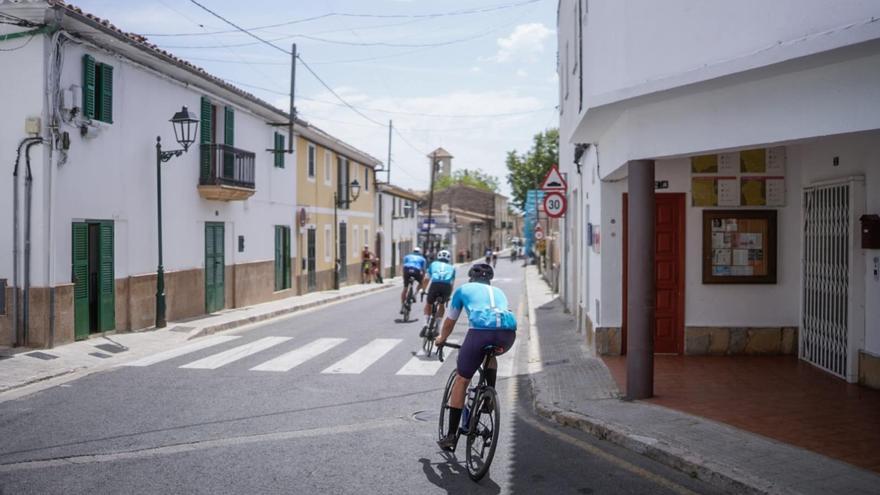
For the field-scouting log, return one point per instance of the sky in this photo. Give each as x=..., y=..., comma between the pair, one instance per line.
x=477, y=77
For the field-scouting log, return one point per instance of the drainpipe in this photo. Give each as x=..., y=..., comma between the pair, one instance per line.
x=28, y=198
x=15, y=252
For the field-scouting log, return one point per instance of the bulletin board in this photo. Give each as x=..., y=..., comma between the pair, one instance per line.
x=739, y=246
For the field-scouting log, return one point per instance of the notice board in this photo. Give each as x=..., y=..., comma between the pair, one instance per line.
x=739, y=246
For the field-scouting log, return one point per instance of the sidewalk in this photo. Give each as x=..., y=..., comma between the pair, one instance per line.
x=24, y=367
x=576, y=389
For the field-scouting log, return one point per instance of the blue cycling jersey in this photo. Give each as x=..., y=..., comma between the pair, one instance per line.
x=414, y=260
x=486, y=307
x=442, y=272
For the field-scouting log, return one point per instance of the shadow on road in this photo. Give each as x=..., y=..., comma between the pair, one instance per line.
x=452, y=476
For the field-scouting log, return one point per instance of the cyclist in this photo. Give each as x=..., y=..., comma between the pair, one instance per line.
x=440, y=276
x=413, y=271
x=491, y=323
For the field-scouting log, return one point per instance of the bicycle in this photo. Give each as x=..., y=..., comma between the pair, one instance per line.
x=408, y=301
x=481, y=415
x=431, y=326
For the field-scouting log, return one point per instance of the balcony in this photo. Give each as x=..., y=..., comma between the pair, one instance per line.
x=227, y=173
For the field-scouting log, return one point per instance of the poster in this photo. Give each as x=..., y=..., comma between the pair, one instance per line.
x=728, y=191
x=740, y=257
x=704, y=191
x=753, y=161
x=704, y=164
x=728, y=163
x=775, y=191
x=752, y=191
x=721, y=256
x=776, y=160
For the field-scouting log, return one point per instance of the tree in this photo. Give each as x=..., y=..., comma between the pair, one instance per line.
x=473, y=178
x=527, y=170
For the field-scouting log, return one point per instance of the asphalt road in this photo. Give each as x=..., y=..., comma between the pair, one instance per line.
x=351, y=415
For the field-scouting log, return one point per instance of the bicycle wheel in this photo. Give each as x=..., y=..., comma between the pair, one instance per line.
x=407, y=305
x=482, y=433
x=428, y=340
x=444, y=407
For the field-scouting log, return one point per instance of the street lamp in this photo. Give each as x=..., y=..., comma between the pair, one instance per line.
x=185, y=125
x=355, y=189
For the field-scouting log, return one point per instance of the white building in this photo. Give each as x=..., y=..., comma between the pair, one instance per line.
x=741, y=111
x=98, y=97
x=397, y=227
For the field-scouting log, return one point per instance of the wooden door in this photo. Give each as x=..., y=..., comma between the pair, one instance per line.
x=215, y=266
x=669, y=272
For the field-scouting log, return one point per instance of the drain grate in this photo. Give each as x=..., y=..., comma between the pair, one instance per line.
x=181, y=328
x=41, y=355
x=112, y=348
x=558, y=361
x=100, y=355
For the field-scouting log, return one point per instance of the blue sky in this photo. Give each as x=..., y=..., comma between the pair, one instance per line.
x=498, y=61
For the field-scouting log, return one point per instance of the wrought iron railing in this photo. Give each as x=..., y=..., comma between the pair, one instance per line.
x=223, y=165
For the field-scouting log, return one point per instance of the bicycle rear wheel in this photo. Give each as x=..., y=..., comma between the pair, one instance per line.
x=407, y=305
x=444, y=407
x=482, y=433
x=428, y=340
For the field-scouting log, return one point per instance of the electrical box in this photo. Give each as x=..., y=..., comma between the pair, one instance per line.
x=870, y=231
x=32, y=125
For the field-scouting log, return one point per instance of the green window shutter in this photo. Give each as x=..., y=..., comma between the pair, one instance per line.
x=279, y=253
x=105, y=93
x=205, y=137
x=279, y=150
x=106, y=279
x=88, y=87
x=286, y=257
x=80, y=274
x=229, y=126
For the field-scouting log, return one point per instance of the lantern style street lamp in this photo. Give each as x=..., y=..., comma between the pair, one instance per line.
x=185, y=125
x=355, y=189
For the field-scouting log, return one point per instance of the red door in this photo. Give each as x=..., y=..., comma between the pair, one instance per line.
x=669, y=272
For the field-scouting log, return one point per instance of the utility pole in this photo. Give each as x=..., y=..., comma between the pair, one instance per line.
x=388, y=176
x=430, y=201
x=292, y=106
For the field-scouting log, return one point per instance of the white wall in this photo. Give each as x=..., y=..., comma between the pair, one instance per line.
x=22, y=95
x=113, y=176
x=395, y=229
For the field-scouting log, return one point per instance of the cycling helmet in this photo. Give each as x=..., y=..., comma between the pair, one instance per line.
x=444, y=256
x=481, y=272
x=417, y=249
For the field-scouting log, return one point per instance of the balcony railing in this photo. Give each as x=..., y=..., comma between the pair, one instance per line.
x=227, y=173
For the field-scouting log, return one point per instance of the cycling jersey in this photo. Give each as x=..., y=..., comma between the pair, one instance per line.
x=414, y=260
x=441, y=272
x=486, y=307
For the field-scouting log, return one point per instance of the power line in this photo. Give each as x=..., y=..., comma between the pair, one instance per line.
x=334, y=93
x=347, y=14
x=243, y=30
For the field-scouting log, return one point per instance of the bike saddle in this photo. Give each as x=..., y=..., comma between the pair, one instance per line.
x=493, y=349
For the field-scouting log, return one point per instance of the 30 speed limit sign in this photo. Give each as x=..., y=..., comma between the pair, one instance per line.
x=554, y=204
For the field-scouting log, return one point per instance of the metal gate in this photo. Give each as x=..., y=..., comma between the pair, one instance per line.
x=830, y=336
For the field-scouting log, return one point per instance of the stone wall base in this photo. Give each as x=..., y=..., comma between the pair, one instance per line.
x=726, y=341
x=609, y=341
x=869, y=370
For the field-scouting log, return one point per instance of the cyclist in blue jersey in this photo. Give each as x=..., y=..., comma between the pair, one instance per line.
x=440, y=276
x=491, y=323
x=413, y=271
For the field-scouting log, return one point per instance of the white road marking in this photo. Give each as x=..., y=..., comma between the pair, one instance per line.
x=506, y=361
x=296, y=357
x=236, y=353
x=424, y=366
x=180, y=351
x=363, y=357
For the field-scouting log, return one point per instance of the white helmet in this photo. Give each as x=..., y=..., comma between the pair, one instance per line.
x=444, y=256
x=417, y=250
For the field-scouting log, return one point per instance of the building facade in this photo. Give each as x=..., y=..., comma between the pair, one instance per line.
x=397, y=226
x=748, y=154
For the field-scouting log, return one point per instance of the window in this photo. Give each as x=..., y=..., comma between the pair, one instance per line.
x=379, y=206
x=355, y=241
x=366, y=178
x=327, y=242
x=279, y=150
x=328, y=171
x=282, y=257
x=343, y=169
x=2, y=296
x=97, y=100
x=366, y=235
x=312, y=159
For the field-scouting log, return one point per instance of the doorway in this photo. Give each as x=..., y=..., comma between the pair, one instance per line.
x=215, y=267
x=343, y=252
x=94, y=291
x=312, y=277
x=669, y=272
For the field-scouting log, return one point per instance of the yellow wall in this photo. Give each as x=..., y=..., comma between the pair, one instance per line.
x=318, y=192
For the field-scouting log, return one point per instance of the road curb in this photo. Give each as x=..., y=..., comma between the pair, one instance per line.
x=676, y=457
x=229, y=325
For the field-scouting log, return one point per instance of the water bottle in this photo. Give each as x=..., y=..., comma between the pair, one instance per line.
x=466, y=412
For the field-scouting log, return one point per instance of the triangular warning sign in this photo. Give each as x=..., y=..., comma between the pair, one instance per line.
x=554, y=181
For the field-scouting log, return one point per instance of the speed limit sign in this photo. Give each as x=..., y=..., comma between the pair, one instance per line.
x=554, y=204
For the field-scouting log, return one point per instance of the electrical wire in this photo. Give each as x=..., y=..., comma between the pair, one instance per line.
x=26, y=43
x=347, y=14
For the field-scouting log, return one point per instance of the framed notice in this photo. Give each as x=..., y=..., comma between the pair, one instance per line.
x=739, y=246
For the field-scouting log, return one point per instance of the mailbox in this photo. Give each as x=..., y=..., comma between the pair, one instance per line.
x=870, y=231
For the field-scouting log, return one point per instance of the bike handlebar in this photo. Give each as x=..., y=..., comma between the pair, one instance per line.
x=445, y=344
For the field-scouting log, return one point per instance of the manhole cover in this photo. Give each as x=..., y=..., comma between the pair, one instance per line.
x=112, y=348
x=423, y=416
x=41, y=355
x=558, y=361
x=181, y=328
x=100, y=355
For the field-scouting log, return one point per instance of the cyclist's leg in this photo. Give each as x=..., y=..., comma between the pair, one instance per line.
x=504, y=339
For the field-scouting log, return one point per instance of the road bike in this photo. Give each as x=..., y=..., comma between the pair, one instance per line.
x=431, y=330
x=408, y=301
x=480, y=416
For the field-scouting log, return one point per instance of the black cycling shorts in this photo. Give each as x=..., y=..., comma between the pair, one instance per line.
x=412, y=274
x=439, y=290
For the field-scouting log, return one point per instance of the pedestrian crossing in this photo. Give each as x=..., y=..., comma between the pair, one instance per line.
x=358, y=359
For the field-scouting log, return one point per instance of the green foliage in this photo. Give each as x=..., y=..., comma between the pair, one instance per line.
x=527, y=170
x=473, y=178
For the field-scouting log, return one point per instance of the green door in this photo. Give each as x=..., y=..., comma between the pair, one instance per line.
x=282, y=257
x=80, y=276
x=343, y=252
x=215, y=266
x=106, y=281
